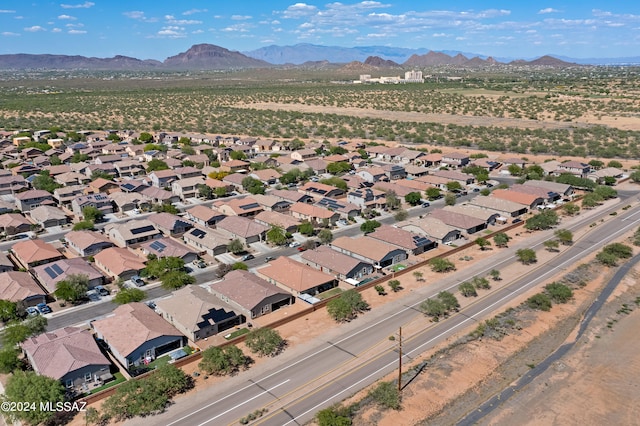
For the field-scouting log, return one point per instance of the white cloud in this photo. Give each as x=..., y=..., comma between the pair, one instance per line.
x=299, y=10
x=197, y=32
x=56, y=30
x=194, y=11
x=74, y=32
x=171, y=31
x=67, y=17
x=241, y=17
x=85, y=5
x=440, y=35
x=35, y=29
x=10, y=34
x=7, y=11
x=547, y=10
x=138, y=15
x=237, y=28
x=173, y=21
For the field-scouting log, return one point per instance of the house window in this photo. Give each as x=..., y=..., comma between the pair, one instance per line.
x=69, y=384
x=87, y=377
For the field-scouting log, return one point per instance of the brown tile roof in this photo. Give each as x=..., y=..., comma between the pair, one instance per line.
x=241, y=226
x=169, y=221
x=14, y=220
x=57, y=353
x=396, y=236
x=366, y=247
x=131, y=326
x=119, y=260
x=245, y=288
x=50, y=274
x=276, y=218
x=35, y=251
x=85, y=239
x=203, y=212
x=34, y=193
x=332, y=259
x=457, y=220
x=16, y=286
x=516, y=197
x=294, y=275
x=311, y=211
x=166, y=247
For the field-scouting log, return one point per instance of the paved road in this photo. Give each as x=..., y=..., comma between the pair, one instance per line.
x=327, y=373
x=496, y=401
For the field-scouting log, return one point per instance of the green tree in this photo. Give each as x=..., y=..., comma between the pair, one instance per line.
x=265, y=342
x=165, y=208
x=438, y=264
x=393, y=202
x=325, y=236
x=635, y=176
x=205, y=191
x=543, y=220
x=159, y=267
x=539, y=302
x=335, y=181
x=347, y=306
x=100, y=174
x=564, y=236
x=235, y=246
x=454, y=186
x=145, y=137
x=551, y=245
x=606, y=192
x=9, y=361
x=591, y=200
x=369, y=226
x=449, y=301
x=526, y=256
x=171, y=380
x=83, y=225
x=481, y=283
x=607, y=259
x=495, y=274
x=8, y=310
x=380, y=290
x=483, y=243
x=16, y=332
x=501, y=239
x=92, y=214
x=596, y=164
x=394, y=285
x=413, y=198
x=559, y=292
x=176, y=279
x=45, y=182
x=433, y=308
x=467, y=289
x=306, y=228
x=432, y=193
x=620, y=250
x=156, y=165
x=73, y=288
x=386, y=395
x=338, y=167
x=419, y=276
x=239, y=266
x=334, y=416
x=223, y=361
x=570, y=209
x=30, y=388
x=237, y=155
x=277, y=235
x=450, y=199
x=128, y=295
x=615, y=164
x=253, y=186
x=514, y=170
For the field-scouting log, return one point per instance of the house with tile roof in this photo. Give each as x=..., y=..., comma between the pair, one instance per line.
x=531, y=201
x=432, y=228
x=203, y=215
x=210, y=241
x=244, y=229
x=319, y=190
x=297, y=278
x=170, y=224
x=168, y=247
x=31, y=253
x=313, y=214
x=118, y=262
x=338, y=264
x=100, y=201
x=198, y=314
x=411, y=242
x=148, y=336
x=87, y=243
x=14, y=223
x=504, y=207
x=463, y=222
x=70, y=355
x=132, y=232
x=246, y=207
x=273, y=218
x=187, y=188
x=249, y=294
x=17, y=286
x=29, y=200
x=48, y=216
x=376, y=252
x=50, y=274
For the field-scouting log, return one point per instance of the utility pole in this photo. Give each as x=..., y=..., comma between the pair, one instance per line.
x=400, y=359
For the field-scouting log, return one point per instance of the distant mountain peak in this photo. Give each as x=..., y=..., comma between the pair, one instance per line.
x=210, y=56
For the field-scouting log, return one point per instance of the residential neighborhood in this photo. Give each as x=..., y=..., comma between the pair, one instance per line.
x=244, y=219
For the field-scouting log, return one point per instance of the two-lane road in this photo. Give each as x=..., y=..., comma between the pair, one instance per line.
x=294, y=392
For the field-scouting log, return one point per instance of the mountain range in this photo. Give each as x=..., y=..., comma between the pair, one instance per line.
x=208, y=56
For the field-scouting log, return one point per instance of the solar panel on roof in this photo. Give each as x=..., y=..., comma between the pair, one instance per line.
x=158, y=246
x=250, y=206
x=57, y=269
x=199, y=233
x=50, y=272
x=148, y=228
x=128, y=186
x=420, y=240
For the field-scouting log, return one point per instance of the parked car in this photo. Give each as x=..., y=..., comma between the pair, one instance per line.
x=247, y=257
x=32, y=311
x=102, y=291
x=43, y=308
x=150, y=304
x=294, y=244
x=302, y=248
x=268, y=259
x=516, y=220
x=137, y=280
x=425, y=204
x=93, y=296
x=200, y=263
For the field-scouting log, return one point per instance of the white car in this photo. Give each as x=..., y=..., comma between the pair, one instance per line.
x=294, y=244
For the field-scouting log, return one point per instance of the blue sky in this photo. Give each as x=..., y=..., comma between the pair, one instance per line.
x=156, y=29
